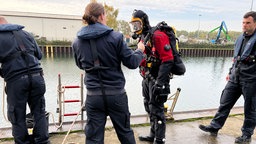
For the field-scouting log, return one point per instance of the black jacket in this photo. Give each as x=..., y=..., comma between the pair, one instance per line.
x=112, y=51
x=17, y=66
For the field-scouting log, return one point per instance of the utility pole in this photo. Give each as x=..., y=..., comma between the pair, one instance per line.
x=198, y=26
x=251, y=5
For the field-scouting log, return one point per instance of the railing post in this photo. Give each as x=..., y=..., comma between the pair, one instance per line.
x=82, y=97
x=60, y=99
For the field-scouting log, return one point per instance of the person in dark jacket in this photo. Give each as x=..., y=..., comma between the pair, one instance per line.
x=155, y=69
x=100, y=51
x=20, y=68
x=241, y=81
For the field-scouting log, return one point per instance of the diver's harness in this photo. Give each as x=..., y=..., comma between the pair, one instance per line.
x=152, y=57
x=151, y=62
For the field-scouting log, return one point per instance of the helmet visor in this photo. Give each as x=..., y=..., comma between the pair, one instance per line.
x=135, y=26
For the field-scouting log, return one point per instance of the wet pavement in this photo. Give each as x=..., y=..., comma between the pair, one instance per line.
x=176, y=133
x=180, y=131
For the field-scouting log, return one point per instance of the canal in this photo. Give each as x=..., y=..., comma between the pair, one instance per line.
x=201, y=86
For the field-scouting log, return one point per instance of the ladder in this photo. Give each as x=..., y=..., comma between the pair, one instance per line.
x=62, y=101
x=169, y=110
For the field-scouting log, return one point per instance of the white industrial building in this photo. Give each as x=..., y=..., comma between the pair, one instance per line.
x=49, y=26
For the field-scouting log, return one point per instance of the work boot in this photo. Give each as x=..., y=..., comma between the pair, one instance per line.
x=244, y=139
x=146, y=138
x=210, y=129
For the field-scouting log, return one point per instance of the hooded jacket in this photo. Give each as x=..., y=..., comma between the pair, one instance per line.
x=17, y=66
x=112, y=53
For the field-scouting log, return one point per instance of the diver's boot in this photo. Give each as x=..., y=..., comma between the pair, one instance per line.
x=244, y=139
x=151, y=136
x=146, y=138
x=157, y=141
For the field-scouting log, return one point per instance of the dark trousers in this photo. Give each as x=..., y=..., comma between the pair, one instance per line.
x=23, y=91
x=98, y=108
x=229, y=97
x=155, y=111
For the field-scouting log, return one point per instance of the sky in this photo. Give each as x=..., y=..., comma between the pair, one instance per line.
x=189, y=15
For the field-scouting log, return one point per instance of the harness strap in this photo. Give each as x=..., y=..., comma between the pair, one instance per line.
x=17, y=36
x=97, y=66
x=24, y=54
x=21, y=46
x=96, y=61
x=94, y=53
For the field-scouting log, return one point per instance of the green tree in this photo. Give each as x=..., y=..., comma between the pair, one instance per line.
x=123, y=26
x=111, y=16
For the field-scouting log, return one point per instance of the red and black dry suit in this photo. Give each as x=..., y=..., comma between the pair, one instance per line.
x=155, y=69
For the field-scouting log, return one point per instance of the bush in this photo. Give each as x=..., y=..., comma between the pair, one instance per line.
x=204, y=45
x=54, y=42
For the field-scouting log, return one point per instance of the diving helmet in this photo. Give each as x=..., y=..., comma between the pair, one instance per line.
x=139, y=23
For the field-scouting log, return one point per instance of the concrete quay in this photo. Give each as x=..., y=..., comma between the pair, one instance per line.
x=182, y=130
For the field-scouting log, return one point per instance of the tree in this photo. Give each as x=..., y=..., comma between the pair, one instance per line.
x=112, y=22
x=123, y=27
x=111, y=16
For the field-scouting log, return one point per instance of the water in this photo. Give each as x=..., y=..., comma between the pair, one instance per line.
x=201, y=86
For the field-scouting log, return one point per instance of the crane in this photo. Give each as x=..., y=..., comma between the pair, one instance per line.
x=222, y=28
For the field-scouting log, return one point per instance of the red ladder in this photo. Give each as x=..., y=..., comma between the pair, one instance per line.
x=62, y=101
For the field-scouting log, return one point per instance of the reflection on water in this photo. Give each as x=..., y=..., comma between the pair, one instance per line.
x=201, y=86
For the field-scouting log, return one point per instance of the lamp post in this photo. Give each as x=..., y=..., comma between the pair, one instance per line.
x=251, y=5
x=198, y=26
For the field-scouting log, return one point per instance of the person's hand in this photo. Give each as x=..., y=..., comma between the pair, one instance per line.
x=141, y=46
x=227, y=77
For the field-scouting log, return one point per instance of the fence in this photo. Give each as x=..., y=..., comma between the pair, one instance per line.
x=186, y=52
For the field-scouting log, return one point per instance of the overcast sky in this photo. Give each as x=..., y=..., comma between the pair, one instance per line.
x=189, y=15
